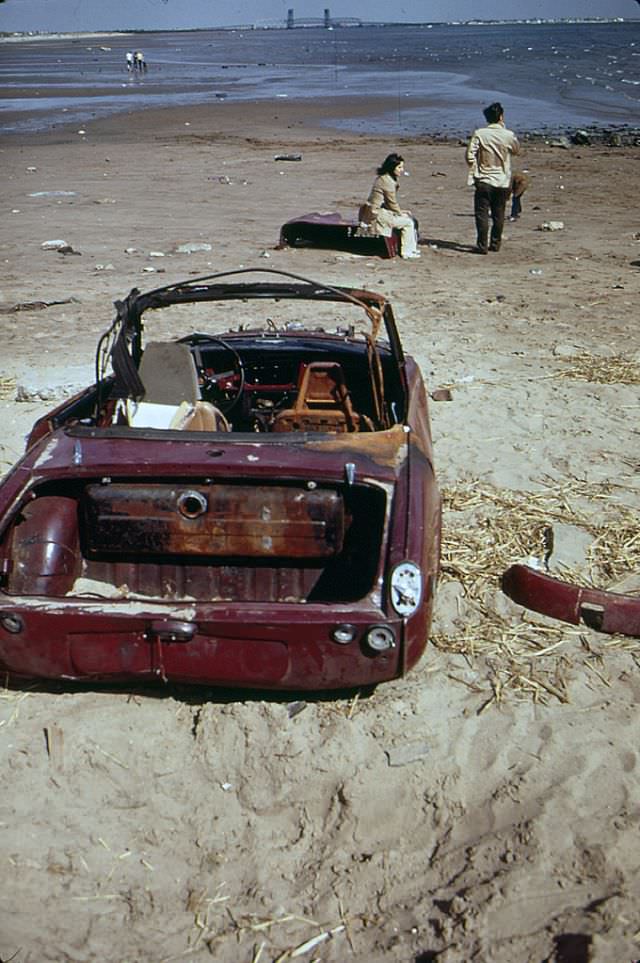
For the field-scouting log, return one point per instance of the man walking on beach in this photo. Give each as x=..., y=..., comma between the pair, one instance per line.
x=489, y=158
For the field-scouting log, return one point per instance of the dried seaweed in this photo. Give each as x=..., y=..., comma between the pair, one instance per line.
x=605, y=371
x=486, y=529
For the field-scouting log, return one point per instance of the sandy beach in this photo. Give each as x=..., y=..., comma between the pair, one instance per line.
x=232, y=826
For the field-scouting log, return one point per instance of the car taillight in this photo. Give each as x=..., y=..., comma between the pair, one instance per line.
x=380, y=638
x=406, y=588
x=343, y=634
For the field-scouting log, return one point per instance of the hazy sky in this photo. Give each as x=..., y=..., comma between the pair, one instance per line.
x=78, y=15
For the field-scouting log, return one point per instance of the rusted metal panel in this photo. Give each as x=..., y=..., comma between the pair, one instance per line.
x=600, y=610
x=44, y=548
x=213, y=583
x=213, y=521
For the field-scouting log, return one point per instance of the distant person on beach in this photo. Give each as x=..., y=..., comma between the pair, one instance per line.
x=382, y=213
x=141, y=63
x=489, y=153
x=129, y=59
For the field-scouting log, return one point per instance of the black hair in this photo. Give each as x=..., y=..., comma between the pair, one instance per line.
x=390, y=163
x=493, y=113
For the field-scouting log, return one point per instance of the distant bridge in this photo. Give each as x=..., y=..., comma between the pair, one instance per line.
x=326, y=21
x=322, y=22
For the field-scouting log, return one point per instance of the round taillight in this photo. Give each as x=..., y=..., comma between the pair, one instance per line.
x=343, y=634
x=380, y=638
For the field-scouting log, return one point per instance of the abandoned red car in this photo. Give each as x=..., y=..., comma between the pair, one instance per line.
x=253, y=508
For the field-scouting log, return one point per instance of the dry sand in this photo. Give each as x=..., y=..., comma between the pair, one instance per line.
x=176, y=824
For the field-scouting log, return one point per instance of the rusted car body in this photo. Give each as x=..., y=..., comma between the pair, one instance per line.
x=600, y=610
x=257, y=508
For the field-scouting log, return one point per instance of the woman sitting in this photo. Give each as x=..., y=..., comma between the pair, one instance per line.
x=383, y=215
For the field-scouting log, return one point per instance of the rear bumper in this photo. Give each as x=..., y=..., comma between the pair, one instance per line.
x=599, y=610
x=274, y=646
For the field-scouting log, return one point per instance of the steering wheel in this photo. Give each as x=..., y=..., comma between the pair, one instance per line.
x=224, y=388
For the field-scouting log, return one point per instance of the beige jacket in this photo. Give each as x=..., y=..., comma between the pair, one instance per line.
x=489, y=155
x=382, y=208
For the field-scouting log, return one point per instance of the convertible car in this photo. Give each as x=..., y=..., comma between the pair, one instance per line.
x=250, y=508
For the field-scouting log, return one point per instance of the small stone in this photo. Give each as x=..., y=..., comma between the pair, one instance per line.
x=192, y=247
x=404, y=755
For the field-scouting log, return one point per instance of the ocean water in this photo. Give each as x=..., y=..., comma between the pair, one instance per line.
x=551, y=77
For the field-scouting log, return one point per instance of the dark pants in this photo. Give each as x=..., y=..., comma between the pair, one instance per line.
x=490, y=201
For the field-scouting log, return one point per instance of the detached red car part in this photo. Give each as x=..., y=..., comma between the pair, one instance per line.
x=257, y=508
x=599, y=610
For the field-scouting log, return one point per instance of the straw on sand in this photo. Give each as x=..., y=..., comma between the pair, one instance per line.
x=604, y=371
x=486, y=529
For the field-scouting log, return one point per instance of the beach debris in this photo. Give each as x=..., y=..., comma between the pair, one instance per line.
x=441, y=394
x=33, y=305
x=54, y=245
x=566, y=350
x=105, y=200
x=265, y=254
x=31, y=170
x=563, y=142
x=311, y=944
x=62, y=247
x=7, y=386
x=295, y=708
x=551, y=226
x=288, y=157
x=47, y=388
x=536, y=272
x=405, y=755
x=53, y=194
x=104, y=267
x=157, y=254
x=581, y=137
x=131, y=250
x=192, y=247
x=54, y=742
x=611, y=370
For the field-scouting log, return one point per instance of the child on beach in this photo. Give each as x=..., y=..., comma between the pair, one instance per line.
x=519, y=184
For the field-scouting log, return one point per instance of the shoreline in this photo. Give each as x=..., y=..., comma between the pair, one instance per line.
x=242, y=118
